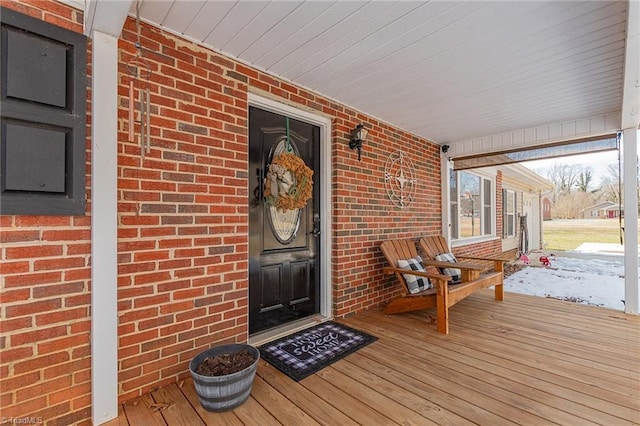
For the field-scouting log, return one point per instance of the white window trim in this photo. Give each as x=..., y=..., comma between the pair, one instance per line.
x=494, y=210
x=472, y=240
x=515, y=214
x=462, y=241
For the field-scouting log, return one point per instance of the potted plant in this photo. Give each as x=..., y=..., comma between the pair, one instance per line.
x=223, y=375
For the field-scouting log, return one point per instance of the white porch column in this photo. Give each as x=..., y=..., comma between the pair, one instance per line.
x=445, y=166
x=104, y=262
x=630, y=176
x=629, y=123
x=103, y=22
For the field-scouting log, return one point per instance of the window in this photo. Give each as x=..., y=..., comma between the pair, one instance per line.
x=472, y=205
x=487, y=206
x=509, y=208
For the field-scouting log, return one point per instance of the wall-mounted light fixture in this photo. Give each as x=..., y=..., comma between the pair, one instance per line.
x=445, y=148
x=358, y=135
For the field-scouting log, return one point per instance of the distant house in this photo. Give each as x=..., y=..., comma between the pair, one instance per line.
x=604, y=210
x=614, y=211
x=522, y=197
x=546, y=208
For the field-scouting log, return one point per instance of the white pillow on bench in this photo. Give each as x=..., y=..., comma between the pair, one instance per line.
x=415, y=283
x=454, y=273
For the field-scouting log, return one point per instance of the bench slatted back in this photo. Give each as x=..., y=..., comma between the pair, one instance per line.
x=434, y=245
x=395, y=250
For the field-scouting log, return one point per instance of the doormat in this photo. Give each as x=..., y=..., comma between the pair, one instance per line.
x=308, y=351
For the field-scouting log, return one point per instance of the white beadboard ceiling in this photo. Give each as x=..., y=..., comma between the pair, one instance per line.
x=444, y=70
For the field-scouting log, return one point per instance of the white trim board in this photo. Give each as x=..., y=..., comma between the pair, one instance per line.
x=104, y=229
x=600, y=125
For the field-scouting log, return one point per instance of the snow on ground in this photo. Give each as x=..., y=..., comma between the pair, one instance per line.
x=590, y=281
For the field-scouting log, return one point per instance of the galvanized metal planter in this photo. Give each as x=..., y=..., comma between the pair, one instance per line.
x=224, y=393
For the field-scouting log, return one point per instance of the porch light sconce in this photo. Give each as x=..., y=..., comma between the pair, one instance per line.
x=358, y=135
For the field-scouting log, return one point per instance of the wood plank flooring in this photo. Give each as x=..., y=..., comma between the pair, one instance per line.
x=527, y=360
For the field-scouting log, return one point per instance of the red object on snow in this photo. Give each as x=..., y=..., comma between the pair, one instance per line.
x=545, y=261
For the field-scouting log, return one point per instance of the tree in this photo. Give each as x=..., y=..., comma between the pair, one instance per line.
x=611, y=184
x=584, y=179
x=572, y=189
x=564, y=176
x=570, y=205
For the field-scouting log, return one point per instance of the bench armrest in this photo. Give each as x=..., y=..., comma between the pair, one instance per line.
x=498, y=262
x=480, y=258
x=457, y=265
x=440, y=282
x=437, y=277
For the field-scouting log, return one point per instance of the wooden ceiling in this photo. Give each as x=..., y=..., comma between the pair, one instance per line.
x=445, y=70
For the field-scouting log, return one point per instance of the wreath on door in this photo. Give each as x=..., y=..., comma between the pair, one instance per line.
x=289, y=182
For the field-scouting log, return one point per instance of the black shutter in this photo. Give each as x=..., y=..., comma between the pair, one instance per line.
x=42, y=117
x=516, y=222
x=504, y=214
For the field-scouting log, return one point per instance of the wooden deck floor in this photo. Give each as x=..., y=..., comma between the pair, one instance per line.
x=527, y=360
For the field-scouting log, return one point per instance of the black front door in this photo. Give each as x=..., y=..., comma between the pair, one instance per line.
x=284, y=262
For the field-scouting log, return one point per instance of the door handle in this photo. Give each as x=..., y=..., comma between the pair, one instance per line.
x=316, y=225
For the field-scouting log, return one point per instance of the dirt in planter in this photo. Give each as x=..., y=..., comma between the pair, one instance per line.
x=224, y=364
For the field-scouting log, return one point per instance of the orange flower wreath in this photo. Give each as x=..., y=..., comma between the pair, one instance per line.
x=289, y=182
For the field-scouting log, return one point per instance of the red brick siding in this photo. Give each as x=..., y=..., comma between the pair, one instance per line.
x=45, y=359
x=364, y=216
x=183, y=229
x=183, y=223
x=486, y=248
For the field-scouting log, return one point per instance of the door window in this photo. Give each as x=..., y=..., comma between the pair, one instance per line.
x=284, y=222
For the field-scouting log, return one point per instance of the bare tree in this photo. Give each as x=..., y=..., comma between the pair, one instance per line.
x=611, y=184
x=584, y=179
x=564, y=177
x=571, y=204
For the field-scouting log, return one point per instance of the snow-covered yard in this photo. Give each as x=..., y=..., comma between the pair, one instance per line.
x=598, y=282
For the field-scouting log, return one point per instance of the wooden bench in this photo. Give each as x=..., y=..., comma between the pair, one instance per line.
x=443, y=295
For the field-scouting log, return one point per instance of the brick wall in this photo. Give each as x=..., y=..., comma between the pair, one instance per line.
x=182, y=234
x=183, y=230
x=364, y=216
x=45, y=358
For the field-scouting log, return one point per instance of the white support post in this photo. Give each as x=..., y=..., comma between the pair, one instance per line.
x=630, y=176
x=104, y=262
x=445, y=193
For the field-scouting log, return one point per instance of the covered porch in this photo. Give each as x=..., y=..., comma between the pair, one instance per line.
x=149, y=261
x=527, y=360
